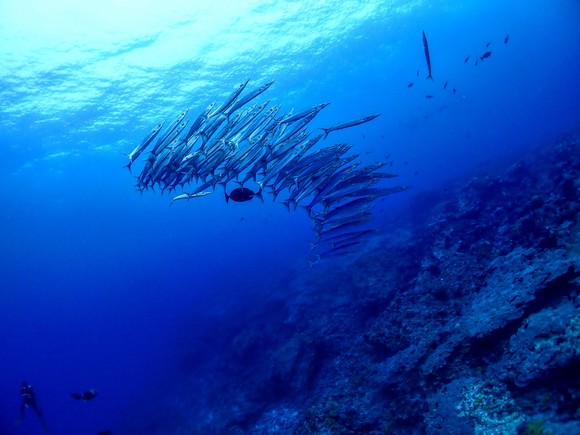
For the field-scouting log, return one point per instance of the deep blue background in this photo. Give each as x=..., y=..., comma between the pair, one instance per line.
x=98, y=281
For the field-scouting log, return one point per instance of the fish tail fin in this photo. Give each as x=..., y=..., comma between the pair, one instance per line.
x=259, y=194
x=326, y=131
x=287, y=203
x=128, y=165
x=308, y=209
x=312, y=263
x=275, y=194
x=430, y=77
x=227, y=197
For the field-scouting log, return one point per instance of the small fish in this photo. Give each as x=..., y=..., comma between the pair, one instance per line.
x=417, y=73
x=506, y=39
x=410, y=85
x=487, y=45
x=454, y=90
x=476, y=61
x=485, y=55
x=467, y=59
x=428, y=96
x=243, y=194
x=87, y=395
x=445, y=85
x=427, y=55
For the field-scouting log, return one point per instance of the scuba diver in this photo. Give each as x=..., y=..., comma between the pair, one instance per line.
x=29, y=401
x=87, y=395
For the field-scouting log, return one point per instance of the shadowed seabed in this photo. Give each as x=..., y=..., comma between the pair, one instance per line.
x=466, y=320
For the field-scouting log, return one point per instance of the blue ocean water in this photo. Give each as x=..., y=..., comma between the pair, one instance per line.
x=101, y=285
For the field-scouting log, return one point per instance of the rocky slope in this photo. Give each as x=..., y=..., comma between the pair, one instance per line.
x=466, y=319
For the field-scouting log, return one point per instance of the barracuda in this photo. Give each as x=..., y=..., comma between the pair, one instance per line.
x=349, y=124
x=236, y=143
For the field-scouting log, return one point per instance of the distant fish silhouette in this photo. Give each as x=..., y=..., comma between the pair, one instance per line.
x=427, y=55
x=466, y=59
x=506, y=39
x=485, y=55
x=487, y=45
x=417, y=73
x=445, y=85
x=410, y=85
x=476, y=61
x=87, y=395
x=428, y=96
x=454, y=90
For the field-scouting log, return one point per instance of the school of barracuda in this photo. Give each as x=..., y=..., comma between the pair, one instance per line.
x=233, y=143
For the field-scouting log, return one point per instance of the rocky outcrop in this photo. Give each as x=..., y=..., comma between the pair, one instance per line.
x=468, y=322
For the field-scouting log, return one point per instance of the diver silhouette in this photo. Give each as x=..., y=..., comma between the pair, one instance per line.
x=29, y=401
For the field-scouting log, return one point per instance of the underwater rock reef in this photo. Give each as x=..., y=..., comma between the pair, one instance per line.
x=465, y=319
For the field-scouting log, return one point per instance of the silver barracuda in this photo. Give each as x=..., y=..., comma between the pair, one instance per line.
x=237, y=142
x=134, y=155
x=349, y=124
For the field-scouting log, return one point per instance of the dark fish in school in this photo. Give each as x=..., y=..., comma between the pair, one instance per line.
x=243, y=194
x=485, y=55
